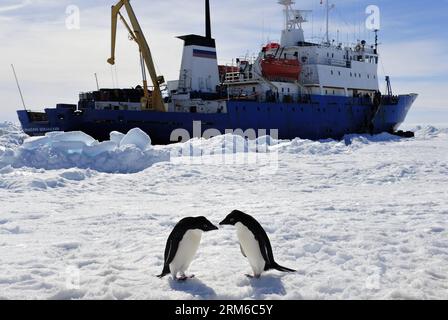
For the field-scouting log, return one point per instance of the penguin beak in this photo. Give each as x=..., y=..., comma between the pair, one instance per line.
x=223, y=222
x=213, y=227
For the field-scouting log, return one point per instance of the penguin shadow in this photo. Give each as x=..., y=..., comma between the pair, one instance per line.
x=267, y=284
x=194, y=287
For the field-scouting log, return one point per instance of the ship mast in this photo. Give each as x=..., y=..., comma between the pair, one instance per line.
x=208, y=28
x=293, y=31
x=327, y=9
x=328, y=18
x=287, y=4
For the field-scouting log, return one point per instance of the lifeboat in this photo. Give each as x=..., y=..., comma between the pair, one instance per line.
x=271, y=46
x=280, y=69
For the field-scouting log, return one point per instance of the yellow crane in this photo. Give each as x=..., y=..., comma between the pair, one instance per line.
x=155, y=102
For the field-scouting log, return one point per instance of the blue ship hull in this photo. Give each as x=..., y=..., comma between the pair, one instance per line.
x=320, y=118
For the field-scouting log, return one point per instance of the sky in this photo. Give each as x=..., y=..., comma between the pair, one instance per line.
x=55, y=63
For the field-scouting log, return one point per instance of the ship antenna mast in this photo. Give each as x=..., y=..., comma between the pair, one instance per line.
x=18, y=86
x=328, y=8
x=287, y=10
x=376, y=41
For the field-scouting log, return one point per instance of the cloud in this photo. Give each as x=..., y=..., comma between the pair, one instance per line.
x=430, y=93
x=13, y=7
x=418, y=58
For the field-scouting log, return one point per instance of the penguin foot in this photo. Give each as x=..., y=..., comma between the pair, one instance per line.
x=253, y=277
x=184, y=277
x=181, y=278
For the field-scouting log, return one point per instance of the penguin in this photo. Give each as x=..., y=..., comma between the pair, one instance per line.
x=254, y=243
x=182, y=245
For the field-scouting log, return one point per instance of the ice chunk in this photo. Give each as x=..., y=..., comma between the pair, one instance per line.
x=35, y=142
x=62, y=150
x=95, y=150
x=136, y=137
x=74, y=175
x=116, y=137
x=77, y=136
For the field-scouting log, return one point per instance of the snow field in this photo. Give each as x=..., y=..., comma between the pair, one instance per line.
x=364, y=218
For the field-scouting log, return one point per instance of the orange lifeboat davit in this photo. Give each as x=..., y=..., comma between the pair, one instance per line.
x=280, y=69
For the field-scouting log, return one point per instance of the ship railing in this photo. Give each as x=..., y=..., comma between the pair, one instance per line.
x=390, y=100
x=233, y=77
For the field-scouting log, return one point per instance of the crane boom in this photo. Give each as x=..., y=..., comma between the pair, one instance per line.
x=138, y=36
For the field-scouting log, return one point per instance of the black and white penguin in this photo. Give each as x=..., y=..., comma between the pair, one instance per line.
x=182, y=245
x=254, y=243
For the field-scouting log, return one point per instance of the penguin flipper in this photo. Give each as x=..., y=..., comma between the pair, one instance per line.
x=172, y=244
x=242, y=251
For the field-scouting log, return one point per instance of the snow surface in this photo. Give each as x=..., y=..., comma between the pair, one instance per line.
x=362, y=218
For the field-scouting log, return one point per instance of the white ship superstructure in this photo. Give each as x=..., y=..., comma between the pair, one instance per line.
x=325, y=68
